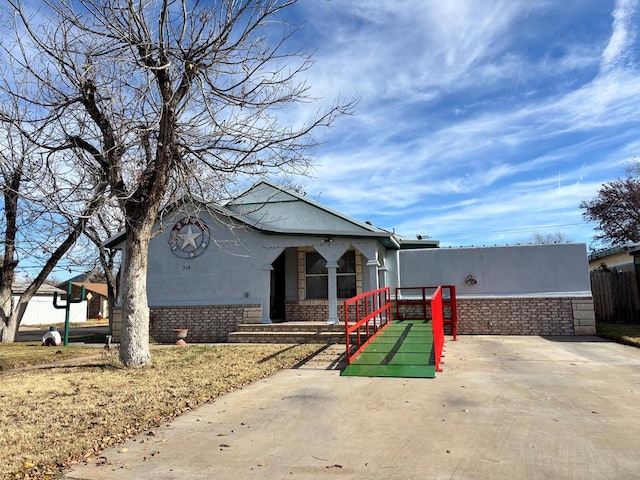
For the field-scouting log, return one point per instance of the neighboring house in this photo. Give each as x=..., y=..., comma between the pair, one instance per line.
x=272, y=255
x=93, y=283
x=619, y=258
x=97, y=305
x=615, y=276
x=40, y=309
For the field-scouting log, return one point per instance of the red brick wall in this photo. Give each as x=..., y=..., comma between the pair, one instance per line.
x=206, y=324
x=476, y=316
x=310, y=311
x=516, y=315
x=525, y=316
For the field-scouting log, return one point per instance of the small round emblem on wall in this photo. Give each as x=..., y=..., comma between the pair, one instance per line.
x=188, y=237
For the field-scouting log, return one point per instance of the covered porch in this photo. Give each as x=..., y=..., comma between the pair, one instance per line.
x=308, y=283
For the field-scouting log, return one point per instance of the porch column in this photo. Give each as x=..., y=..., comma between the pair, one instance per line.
x=373, y=274
x=332, y=269
x=266, y=292
x=373, y=280
x=382, y=276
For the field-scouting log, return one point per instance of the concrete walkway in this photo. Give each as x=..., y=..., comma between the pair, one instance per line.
x=504, y=408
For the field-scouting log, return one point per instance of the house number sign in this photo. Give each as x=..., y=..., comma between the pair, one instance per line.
x=188, y=237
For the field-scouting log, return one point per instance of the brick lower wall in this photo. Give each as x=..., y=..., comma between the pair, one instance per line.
x=209, y=323
x=476, y=316
x=310, y=311
x=206, y=324
x=584, y=317
x=526, y=316
x=115, y=321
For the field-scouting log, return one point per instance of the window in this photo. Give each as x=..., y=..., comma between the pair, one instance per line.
x=317, y=276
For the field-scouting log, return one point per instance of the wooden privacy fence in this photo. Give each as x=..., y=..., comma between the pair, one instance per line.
x=615, y=297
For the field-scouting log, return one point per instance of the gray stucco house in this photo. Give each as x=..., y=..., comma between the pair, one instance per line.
x=273, y=255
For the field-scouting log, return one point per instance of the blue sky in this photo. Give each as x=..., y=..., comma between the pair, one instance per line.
x=479, y=122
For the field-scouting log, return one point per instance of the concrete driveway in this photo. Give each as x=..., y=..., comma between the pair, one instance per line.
x=504, y=408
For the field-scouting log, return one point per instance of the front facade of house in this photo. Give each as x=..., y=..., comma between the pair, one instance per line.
x=272, y=255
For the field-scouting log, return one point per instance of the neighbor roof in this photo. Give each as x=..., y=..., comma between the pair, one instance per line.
x=629, y=248
x=99, y=288
x=45, y=289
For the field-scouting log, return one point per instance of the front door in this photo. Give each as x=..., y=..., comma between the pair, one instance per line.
x=278, y=296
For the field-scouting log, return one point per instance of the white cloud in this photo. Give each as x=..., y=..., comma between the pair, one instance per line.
x=402, y=50
x=617, y=52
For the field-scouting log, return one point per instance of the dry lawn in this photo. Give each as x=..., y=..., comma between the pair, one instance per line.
x=620, y=332
x=51, y=418
x=20, y=355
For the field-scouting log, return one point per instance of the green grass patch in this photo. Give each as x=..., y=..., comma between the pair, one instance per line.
x=628, y=334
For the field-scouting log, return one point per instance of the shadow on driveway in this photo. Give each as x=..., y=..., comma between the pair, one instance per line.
x=575, y=338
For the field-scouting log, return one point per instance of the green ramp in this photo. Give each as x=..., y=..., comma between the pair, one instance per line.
x=403, y=349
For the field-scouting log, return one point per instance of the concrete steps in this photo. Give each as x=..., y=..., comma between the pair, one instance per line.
x=288, y=332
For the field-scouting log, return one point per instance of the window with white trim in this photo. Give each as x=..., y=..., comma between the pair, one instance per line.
x=317, y=276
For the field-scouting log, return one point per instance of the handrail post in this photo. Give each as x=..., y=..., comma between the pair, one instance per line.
x=370, y=315
x=346, y=332
x=437, y=324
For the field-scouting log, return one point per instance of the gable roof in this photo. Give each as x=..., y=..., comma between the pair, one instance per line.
x=272, y=207
x=274, y=210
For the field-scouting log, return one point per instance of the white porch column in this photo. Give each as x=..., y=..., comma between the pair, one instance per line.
x=332, y=269
x=266, y=292
x=373, y=280
x=373, y=274
x=383, y=281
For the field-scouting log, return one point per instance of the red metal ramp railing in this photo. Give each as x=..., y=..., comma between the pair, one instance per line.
x=414, y=303
x=365, y=316
x=450, y=309
x=368, y=314
x=437, y=326
x=437, y=304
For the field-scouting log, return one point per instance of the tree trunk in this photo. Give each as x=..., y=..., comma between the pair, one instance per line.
x=10, y=316
x=7, y=323
x=134, y=344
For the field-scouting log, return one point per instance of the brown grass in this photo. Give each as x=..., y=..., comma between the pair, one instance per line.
x=90, y=322
x=55, y=417
x=627, y=334
x=19, y=355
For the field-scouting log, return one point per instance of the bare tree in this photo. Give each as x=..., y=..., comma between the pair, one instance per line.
x=167, y=99
x=42, y=215
x=548, y=238
x=616, y=209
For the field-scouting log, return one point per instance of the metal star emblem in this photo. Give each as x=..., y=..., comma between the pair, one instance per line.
x=189, y=238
